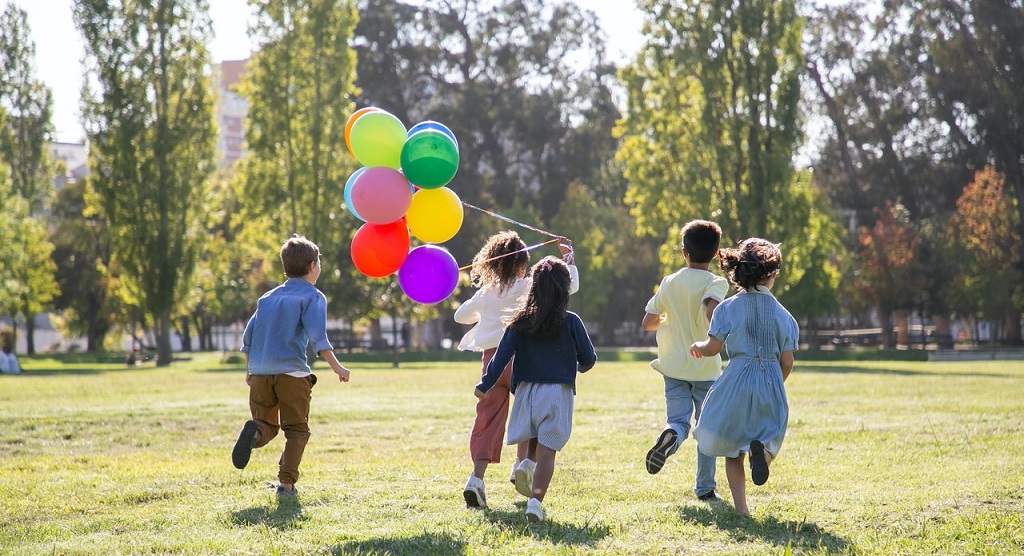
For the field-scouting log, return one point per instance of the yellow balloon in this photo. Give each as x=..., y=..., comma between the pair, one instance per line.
x=435, y=215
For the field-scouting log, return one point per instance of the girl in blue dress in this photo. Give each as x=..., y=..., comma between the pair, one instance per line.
x=746, y=411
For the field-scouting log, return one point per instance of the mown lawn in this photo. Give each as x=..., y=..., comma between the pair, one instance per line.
x=882, y=457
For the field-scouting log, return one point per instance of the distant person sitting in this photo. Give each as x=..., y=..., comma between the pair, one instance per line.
x=9, y=362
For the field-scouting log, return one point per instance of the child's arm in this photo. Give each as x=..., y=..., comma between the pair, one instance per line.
x=651, y=322
x=709, y=307
x=337, y=367
x=786, y=362
x=706, y=348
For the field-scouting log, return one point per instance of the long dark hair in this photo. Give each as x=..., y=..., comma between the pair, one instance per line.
x=544, y=311
x=499, y=261
x=751, y=262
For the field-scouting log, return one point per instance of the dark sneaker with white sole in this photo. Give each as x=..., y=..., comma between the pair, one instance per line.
x=657, y=455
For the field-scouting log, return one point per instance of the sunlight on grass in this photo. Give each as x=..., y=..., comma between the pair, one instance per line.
x=882, y=457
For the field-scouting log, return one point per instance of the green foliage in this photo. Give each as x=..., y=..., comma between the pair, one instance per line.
x=384, y=470
x=149, y=117
x=711, y=132
x=29, y=106
x=300, y=92
x=82, y=252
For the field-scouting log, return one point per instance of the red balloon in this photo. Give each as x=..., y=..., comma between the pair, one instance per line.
x=379, y=250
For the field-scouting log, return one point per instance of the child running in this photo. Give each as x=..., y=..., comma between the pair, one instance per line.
x=680, y=312
x=499, y=271
x=287, y=320
x=550, y=345
x=746, y=410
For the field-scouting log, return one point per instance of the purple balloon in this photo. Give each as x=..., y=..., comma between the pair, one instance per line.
x=429, y=274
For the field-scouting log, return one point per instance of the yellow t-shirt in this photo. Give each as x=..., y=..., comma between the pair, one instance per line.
x=680, y=302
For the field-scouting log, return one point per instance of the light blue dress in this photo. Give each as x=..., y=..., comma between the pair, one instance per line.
x=748, y=402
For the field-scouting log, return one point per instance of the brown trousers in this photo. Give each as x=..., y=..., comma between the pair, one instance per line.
x=488, y=436
x=281, y=402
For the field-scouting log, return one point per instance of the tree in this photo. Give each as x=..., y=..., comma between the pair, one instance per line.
x=887, y=276
x=990, y=248
x=712, y=126
x=300, y=91
x=524, y=84
x=29, y=106
x=82, y=252
x=150, y=126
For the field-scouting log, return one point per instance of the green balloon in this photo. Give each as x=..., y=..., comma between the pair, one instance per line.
x=430, y=159
x=377, y=139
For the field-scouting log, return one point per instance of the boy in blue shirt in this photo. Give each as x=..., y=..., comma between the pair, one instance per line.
x=287, y=319
x=680, y=312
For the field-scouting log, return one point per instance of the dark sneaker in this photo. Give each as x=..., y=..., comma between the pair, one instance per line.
x=657, y=455
x=711, y=496
x=758, y=463
x=285, y=493
x=243, y=446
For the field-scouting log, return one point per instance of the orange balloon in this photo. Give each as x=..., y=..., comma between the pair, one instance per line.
x=352, y=121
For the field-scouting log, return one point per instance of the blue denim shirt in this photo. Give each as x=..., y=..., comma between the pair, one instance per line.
x=286, y=320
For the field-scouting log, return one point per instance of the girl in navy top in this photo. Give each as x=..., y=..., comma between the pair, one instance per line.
x=550, y=345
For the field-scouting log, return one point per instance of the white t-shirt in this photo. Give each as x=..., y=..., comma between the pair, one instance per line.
x=487, y=308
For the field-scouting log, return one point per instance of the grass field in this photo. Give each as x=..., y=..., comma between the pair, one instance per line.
x=882, y=457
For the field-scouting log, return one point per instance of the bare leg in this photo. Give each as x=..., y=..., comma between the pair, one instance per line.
x=737, y=477
x=521, y=449
x=545, y=469
x=479, y=467
x=531, y=449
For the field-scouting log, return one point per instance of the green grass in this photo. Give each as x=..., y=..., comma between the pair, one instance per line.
x=882, y=457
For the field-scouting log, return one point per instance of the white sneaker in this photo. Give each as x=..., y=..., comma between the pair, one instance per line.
x=534, y=511
x=512, y=474
x=474, y=493
x=524, y=477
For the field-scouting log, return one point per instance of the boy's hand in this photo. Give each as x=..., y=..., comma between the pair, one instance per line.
x=479, y=395
x=342, y=373
x=248, y=378
x=694, y=351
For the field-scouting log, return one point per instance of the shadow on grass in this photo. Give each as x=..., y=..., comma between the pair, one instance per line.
x=427, y=543
x=514, y=522
x=799, y=535
x=286, y=515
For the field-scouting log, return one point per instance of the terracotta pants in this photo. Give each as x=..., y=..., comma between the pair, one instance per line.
x=281, y=403
x=488, y=434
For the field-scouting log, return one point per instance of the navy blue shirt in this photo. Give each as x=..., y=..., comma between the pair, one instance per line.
x=287, y=319
x=543, y=361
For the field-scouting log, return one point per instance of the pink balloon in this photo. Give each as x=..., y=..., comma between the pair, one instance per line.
x=381, y=195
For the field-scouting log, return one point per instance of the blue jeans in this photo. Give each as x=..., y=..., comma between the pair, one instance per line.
x=683, y=401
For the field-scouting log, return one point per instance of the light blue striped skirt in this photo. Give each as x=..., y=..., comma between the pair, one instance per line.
x=542, y=411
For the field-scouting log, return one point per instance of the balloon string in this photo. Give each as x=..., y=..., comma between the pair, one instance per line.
x=510, y=221
x=523, y=250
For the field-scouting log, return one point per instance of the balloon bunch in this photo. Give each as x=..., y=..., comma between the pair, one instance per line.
x=400, y=192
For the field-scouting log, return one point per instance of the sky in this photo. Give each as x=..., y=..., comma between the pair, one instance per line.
x=59, y=47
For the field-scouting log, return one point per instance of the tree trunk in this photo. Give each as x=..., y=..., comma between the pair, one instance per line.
x=885, y=316
x=943, y=332
x=162, y=323
x=902, y=327
x=1012, y=326
x=30, y=334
